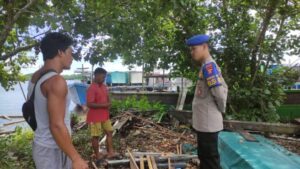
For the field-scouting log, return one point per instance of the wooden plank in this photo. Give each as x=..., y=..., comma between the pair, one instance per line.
x=142, y=165
x=247, y=136
x=181, y=99
x=14, y=122
x=154, y=165
x=176, y=165
x=94, y=165
x=7, y=132
x=139, y=154
x=177, y=148
x=10, y=117
x=5, y=117
x=149, y=162
x=173, y=158
x=132, y=161
x=180, y=148
x=279, y=128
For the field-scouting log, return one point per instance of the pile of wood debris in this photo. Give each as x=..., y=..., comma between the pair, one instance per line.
x=143, y=144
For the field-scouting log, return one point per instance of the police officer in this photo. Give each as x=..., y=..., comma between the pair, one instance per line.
x=209, y=102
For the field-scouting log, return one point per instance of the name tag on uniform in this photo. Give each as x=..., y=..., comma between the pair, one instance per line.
x=212, y=75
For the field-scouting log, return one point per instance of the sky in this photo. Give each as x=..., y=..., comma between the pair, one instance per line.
x=118, y=66
x=109, y=66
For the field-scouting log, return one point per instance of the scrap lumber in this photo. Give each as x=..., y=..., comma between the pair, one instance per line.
x=9, y=117
x=149, y=162
x=278, y=128
x=174, y=158
x=94, y=165
x=5, y=117
x=133, y=164
x=247, y=136
x=142, y=165
x=14, y=122
x=169, y=163
x=138, y=154
x=154, y=165
x=180, y=149
x=185, y=116
x=176, y=165
x=79, y=126
x=172, y=133
x=6, y=132
x=117, y=126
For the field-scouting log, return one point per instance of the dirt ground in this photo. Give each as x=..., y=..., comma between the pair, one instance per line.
x=293, y=144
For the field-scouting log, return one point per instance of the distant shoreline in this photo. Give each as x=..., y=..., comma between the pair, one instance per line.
x=67, y=77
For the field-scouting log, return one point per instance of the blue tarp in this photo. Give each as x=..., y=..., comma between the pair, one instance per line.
x=237, y=153
x=78, y=93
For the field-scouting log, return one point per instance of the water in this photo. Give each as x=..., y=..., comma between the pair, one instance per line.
x=11, y=101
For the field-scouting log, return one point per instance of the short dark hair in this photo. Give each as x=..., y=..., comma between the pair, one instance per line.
x=53, y=42
x=100, y=70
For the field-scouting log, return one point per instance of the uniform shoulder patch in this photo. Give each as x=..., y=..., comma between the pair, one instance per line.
x=212, y=74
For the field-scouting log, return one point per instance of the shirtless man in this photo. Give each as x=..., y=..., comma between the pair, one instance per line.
x=52, y=146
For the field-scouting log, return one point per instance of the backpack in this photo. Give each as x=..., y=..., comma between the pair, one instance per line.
x=28, y=107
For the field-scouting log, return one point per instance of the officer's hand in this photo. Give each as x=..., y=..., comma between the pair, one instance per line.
x=79, y=164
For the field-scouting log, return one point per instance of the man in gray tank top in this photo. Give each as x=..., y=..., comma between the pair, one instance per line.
x=52, y=145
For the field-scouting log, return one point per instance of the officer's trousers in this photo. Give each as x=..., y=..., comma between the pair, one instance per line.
x=208, y=150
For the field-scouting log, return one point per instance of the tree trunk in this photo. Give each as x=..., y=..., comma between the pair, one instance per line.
x=270, y=11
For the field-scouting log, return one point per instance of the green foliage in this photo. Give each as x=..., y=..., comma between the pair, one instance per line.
x=260, y=101
x=16, y=150
x=245, y=35
x=73, y=77
x=139, y=104
x=81, y=139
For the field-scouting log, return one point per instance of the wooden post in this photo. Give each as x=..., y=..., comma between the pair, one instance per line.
x=133, y=164
x=180, y=149
x=169, y=163
x=149, y=162
x=153, y=162
x=142, y=166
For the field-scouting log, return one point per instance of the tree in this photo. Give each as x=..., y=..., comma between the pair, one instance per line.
x=246, y=36
x=22, y=24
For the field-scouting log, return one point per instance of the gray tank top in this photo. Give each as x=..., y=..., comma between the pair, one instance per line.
x=43, y=134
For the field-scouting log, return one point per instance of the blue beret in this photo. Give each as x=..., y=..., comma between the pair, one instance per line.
x=197, y=40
